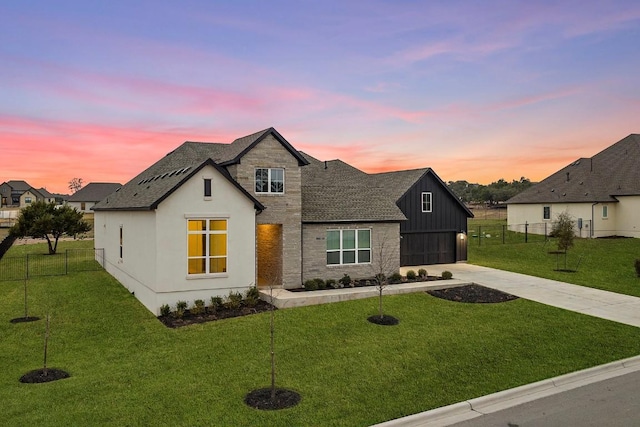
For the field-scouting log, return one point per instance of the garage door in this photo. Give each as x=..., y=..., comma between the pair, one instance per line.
x=427, y=248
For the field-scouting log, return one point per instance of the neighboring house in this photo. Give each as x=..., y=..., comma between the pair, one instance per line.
x=11, y=192
x=602, y=193
x=85, y=198
x=210, y=218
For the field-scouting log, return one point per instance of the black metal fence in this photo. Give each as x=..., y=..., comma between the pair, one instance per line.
x=39, y=265
x=519, y=233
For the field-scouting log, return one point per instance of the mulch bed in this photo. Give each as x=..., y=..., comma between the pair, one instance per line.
x=261, y=399
x=363, y=283
x=472, y=294
x=385, y=320
x=44, y=376
x=24, y=319
x=221, y=313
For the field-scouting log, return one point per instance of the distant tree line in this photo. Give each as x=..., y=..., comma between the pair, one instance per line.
x=494, y=193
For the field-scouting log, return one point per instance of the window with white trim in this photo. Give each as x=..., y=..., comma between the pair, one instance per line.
x=426, y=202
x=27, y=199
x=605, y=211
x=348, y=246
x=269, y=180
x=546, y=212
x=207, y=246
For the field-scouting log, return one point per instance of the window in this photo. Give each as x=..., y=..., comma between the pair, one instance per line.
x=546, y=212
x=207, y=187
x=120, y=242
x=83, y=206
x=605, y=211
x=426, y=202
x=270, y=180
x=348, y=247
x=27, y=199
x=207, y=246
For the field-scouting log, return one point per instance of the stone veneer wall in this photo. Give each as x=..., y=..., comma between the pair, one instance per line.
x=315, y=251
x=285, y=209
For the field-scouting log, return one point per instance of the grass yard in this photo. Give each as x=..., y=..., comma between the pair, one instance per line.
x=128, y=369
x=603, y=263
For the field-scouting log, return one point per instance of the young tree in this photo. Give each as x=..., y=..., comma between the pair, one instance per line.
x=383, y=264
x=562, y=229
x=48, y=221
x=75, y=184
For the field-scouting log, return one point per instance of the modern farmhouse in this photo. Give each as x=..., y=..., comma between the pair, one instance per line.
x=209, y=218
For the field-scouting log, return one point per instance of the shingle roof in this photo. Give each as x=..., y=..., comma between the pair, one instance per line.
x=615, y=171
x=334, y=191
x=45, y=193
x=19, y=185
x=94, y=192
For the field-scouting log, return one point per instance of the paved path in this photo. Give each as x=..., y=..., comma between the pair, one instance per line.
x=594, y=302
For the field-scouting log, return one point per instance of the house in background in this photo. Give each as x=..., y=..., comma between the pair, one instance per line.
x=602, y=194
x=19, y=194
x=85, y=198
x=210, y=218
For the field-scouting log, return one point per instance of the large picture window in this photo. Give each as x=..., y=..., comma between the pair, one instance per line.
x=426, y=202
x=207, y=246
x=270, y=180
x=348, y=246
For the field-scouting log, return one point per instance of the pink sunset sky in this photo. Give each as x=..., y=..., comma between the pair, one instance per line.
x=476, y=90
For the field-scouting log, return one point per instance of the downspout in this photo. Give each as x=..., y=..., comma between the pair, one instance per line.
x=592, y=219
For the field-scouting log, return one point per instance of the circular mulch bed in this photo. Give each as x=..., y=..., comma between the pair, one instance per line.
x=261, y=399
x=385, y=320
x=472, y=294
x=24, y=319
x=44, y=376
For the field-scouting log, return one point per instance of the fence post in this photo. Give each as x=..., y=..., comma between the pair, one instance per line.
x=526, y=232
x=66, y=262
x=504, y=231
x=545, y=231
x=27, y=266
x=479, y=235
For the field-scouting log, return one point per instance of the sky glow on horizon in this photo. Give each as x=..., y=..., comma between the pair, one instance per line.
x=476, y=90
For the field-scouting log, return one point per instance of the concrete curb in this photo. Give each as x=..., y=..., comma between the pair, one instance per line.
x=476, y=407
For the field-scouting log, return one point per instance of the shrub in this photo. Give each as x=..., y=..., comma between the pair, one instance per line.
x=345, y=280
x=422, y=273
x=637, y=265
x=395, y=278
x=446, y=275
x=233, y=301
x=331, y=283
x=321, y=284
x=252, y=296
x=165, y=310
x=181, y=307
x=411, y=275
x=216, y=303
x=311, y=285
x=198, y=307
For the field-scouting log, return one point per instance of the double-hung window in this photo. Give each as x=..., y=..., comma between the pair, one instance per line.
x=207, y=246
x=269, y=180
x=546, y=212
x=426, y=202
x=348, y=246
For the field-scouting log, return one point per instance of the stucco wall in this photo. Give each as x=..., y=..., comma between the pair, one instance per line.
x=154, y=263
x=628, y=216
x=285, y=209
x=78, y=206
x=593, y=223
x=315, y=251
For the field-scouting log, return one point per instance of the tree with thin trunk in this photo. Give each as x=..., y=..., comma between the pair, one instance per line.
x=383, y=264
x=563, y=230
x=49, y=221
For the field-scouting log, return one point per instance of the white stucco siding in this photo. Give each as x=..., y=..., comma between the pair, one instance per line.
x=173, y=282
x=627, y=215
x=137, y=268
x=520, y=214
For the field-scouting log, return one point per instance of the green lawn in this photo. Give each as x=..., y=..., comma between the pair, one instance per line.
x=602, y=263
x=129, y=369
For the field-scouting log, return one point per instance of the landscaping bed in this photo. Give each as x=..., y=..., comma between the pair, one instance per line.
x=347, y=282
x=472, y=294
x=188, y=318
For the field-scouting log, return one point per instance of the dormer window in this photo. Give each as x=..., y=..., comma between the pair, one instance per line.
x=269, y=181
